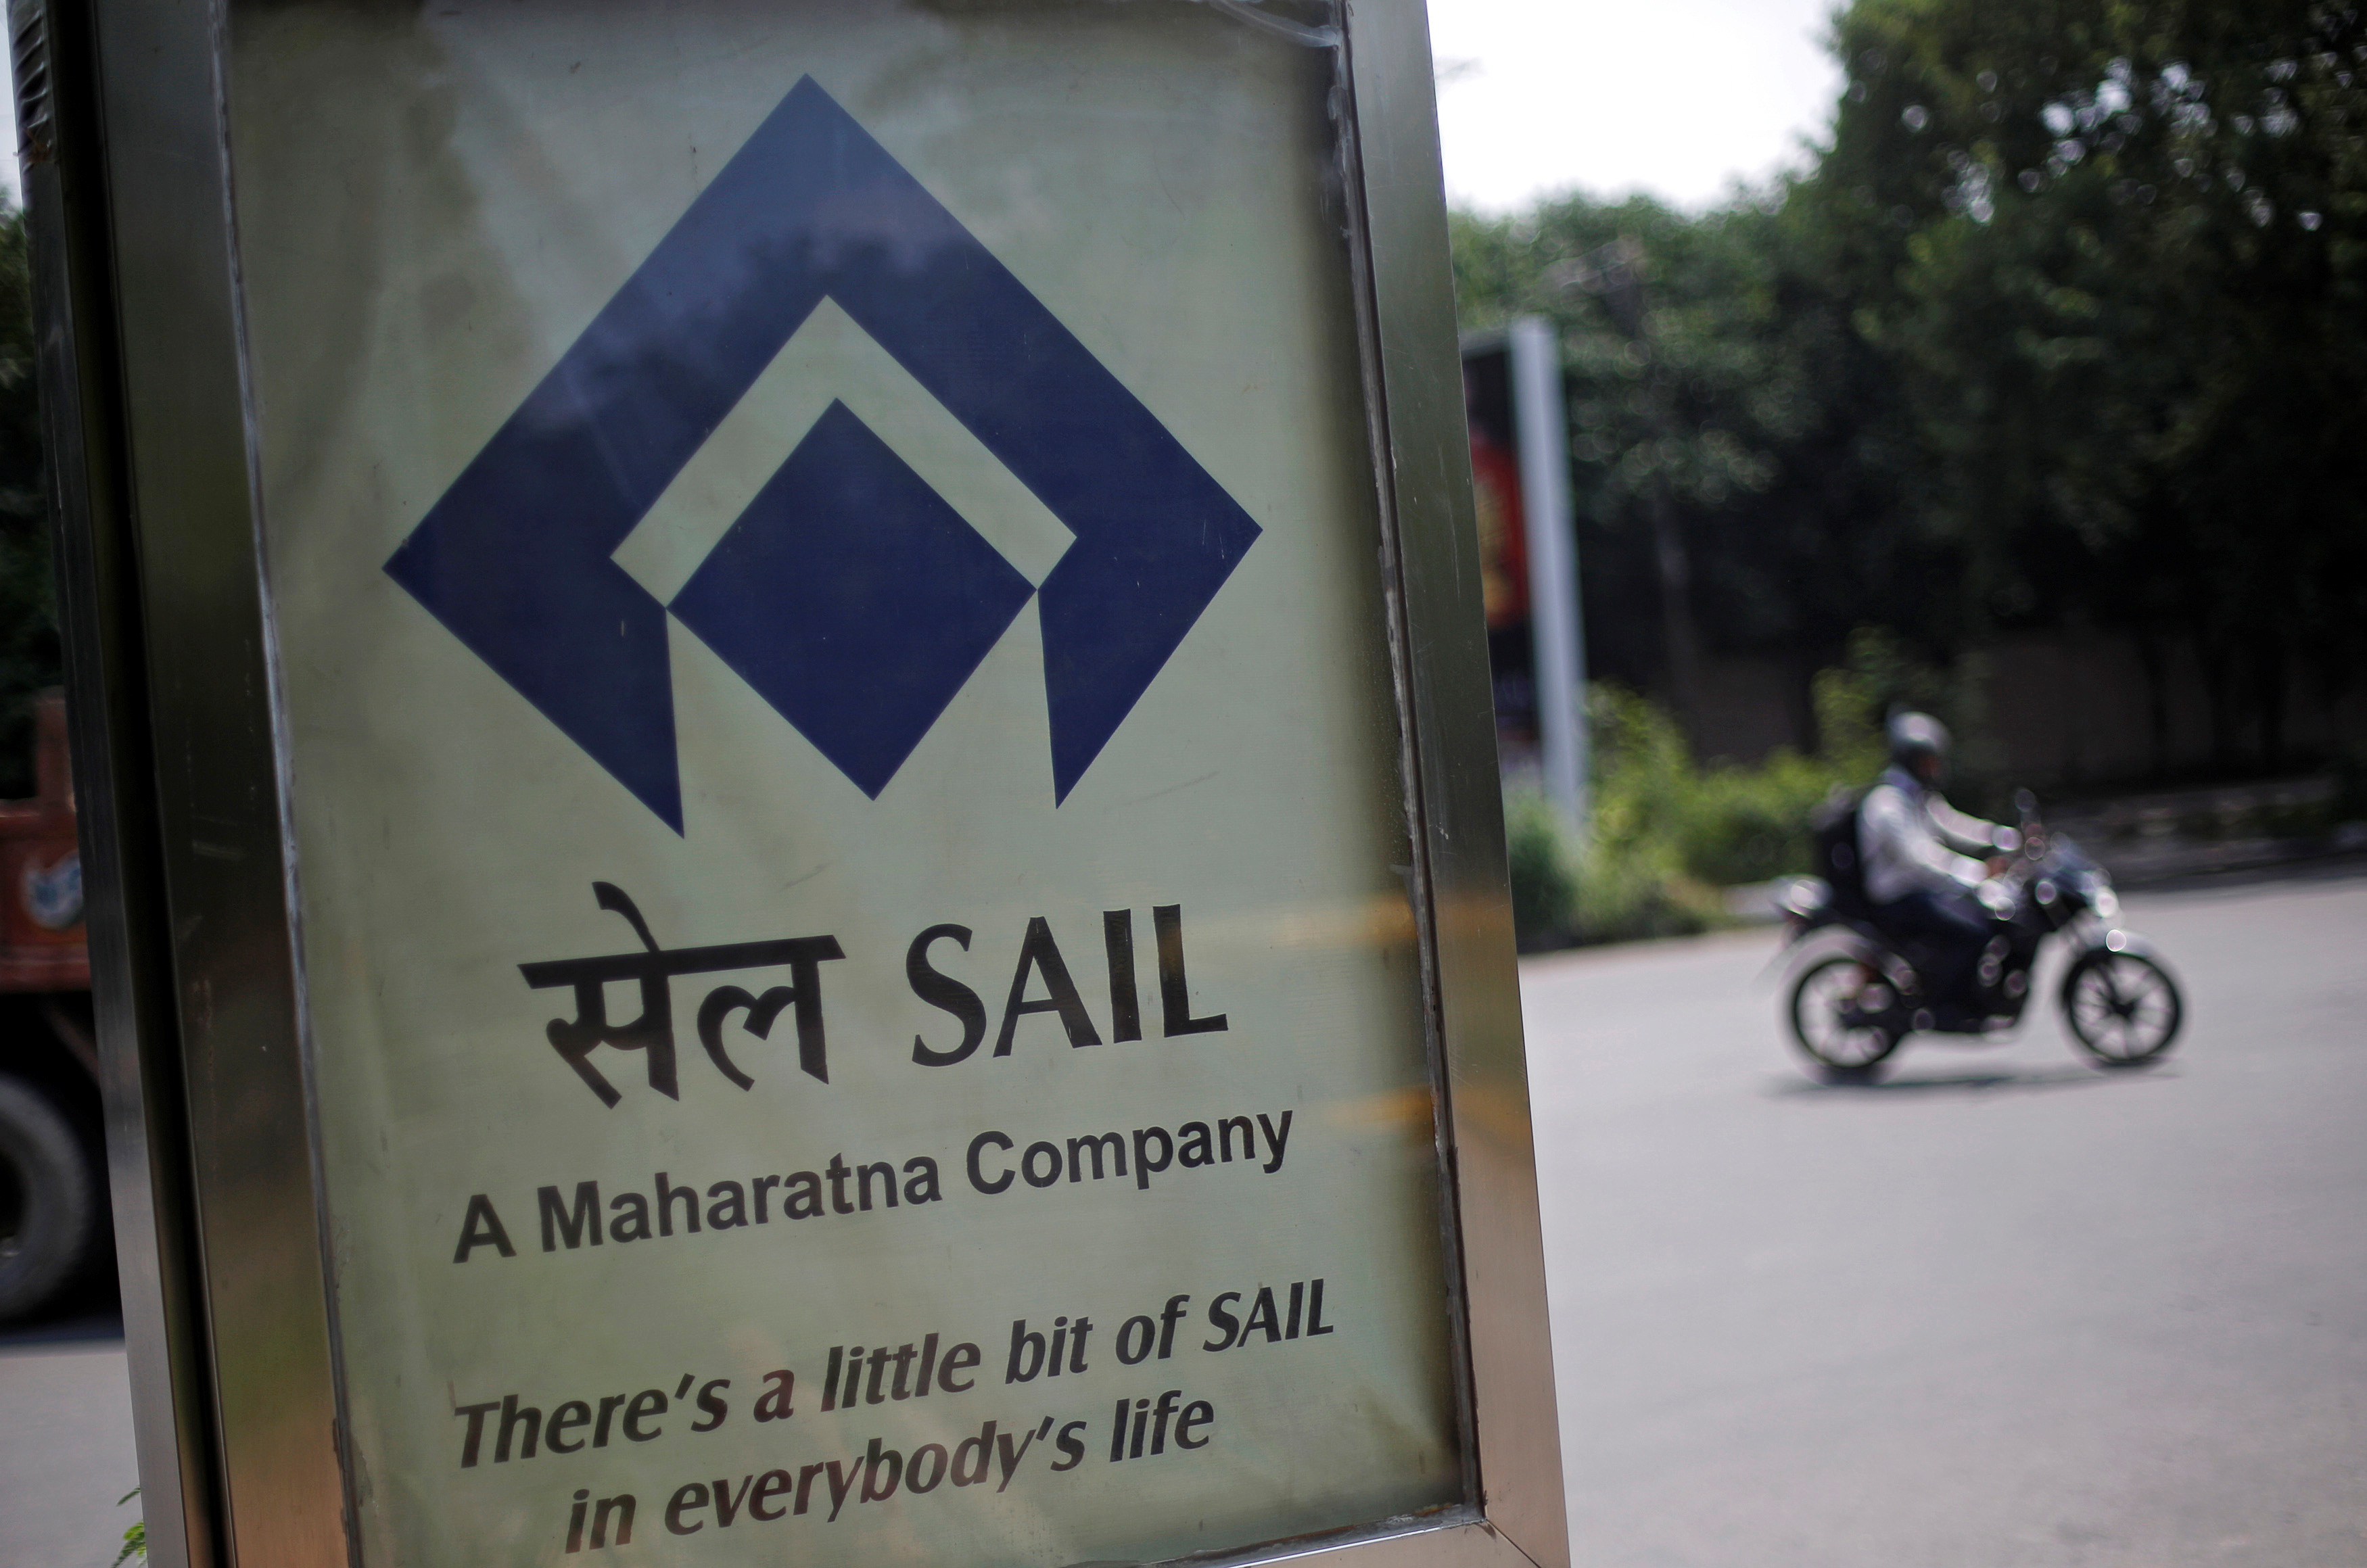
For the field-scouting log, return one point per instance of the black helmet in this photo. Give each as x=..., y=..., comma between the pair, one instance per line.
x=1915, y=736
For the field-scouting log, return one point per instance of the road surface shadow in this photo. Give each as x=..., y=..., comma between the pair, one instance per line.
x=2007, y=1080
x=2330, y=868
x=93, y=1329
x=90, y=1314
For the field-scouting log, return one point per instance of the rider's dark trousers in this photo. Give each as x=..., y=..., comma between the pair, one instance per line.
x=1954, y=924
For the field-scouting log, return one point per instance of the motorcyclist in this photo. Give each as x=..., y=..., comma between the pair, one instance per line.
x=1918, y=851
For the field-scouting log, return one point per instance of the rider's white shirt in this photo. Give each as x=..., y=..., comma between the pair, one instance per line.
x=1908, y=836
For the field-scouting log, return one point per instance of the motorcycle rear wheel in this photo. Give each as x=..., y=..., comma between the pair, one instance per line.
x=1840, y=1018
x=2123, y=1008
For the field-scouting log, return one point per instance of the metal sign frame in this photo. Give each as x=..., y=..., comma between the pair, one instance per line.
x=199, y=984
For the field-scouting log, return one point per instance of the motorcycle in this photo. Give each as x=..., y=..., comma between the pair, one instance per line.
x=1860, y=991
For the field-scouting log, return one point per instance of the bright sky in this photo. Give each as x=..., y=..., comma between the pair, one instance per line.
x=1677, y=98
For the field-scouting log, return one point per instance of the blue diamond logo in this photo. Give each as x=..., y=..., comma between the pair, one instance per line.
x=853, y=599
x=850, y=595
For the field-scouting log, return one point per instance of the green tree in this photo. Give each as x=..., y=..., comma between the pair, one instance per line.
x=2113, y=249
x=1735, y=402
x=2066, y=325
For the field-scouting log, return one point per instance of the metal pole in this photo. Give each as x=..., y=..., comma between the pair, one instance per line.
x=1554, y=627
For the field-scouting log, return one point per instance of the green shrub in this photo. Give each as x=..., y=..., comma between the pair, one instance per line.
x=1626, y=893
x=1848, y=709
x=1603, y=890
x=1545, y=888
x=1726, y=825
x=1666, y=833
x=1749, y=825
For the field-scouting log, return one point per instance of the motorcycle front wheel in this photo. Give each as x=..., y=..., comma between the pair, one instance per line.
x=2123, y=1008
x=1841, y=1018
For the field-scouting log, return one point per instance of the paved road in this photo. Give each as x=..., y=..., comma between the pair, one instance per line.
x=66, y=1443
x=2000, y=1310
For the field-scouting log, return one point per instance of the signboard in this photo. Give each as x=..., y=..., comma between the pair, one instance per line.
x=852, y=765
x=1502, y=515
x=1512, y=386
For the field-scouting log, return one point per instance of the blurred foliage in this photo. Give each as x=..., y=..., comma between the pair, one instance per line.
x=28, y=637
x=2066, y=325
x=1545, y=879
x=1566, y=893
x=1667, y=833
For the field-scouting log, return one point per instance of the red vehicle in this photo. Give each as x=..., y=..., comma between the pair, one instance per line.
x=53, y=1209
